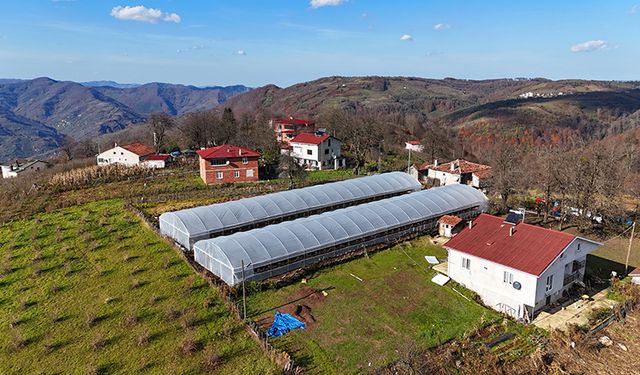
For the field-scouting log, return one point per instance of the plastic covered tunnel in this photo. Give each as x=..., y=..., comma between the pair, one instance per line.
x=194, y=224
x=279, y=248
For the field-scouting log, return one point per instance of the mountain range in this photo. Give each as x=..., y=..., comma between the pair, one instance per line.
x=36, y=115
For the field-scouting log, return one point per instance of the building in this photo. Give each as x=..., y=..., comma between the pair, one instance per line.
x=194, y=224
x=228, y=163
x=516, y=268
x=317, y=151
x=272, y=250
x=131, y=154
x=449, y=225
x=157, y=161
x=635, y=276
x=288, y=129
x=414, y=146
x=458, y=171
x=16, y=169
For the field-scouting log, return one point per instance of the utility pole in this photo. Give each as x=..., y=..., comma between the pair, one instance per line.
x=409, y=162
x=626, y=263
x=244, y=295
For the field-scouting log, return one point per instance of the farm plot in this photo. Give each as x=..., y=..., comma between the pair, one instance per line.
x=89, y=289
x=362, y=325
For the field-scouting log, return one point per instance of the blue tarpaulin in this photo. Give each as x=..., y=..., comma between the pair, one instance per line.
x=283, y=323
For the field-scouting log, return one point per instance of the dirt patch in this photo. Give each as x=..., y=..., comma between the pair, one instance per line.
x=303, y=301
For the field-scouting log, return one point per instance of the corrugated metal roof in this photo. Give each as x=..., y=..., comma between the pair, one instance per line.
x=531, y=249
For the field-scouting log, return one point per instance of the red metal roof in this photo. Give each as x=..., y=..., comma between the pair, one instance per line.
x=531, y=248
x=310, y=138
x=227, y=151
x=635, y=272
x=158, y=157
x=415, y=143
x=295, y=121
x=139, y=149
x=450, y=219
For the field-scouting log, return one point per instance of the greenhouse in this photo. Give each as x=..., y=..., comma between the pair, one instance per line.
x=191, y=225
x=280, y=248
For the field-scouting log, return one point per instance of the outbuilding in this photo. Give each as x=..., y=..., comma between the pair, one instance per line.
x=449, y=225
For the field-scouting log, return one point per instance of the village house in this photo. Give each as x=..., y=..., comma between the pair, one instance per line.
x=288, y=129
x=157, y=161
x=131, y=154
x=228, y=163
x=516, y=268
x=317, y=151
x=16, y=169
x=449, y=225
x=458, y=171
x=635, y=276
x=414, y=146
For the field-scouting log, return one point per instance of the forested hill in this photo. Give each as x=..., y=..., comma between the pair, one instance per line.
x=36, y=115
x=534, y=110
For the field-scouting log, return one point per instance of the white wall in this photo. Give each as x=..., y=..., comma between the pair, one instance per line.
x=7, y=172
x=486, y=279
x=154, y=163
x=445, y=178
x=577, y=250
x=118, y=155
x=321, y=156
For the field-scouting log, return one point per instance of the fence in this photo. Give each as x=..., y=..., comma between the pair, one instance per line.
x=280, y=357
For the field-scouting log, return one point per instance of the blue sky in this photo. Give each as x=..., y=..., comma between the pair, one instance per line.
x=215, y=42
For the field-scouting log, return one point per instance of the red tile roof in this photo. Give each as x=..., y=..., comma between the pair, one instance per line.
x=485, y=173
x=450, y=219
x=158, y=157
x=415, y=143
x=461, y=166
x=139, y=149
x=294, y=121
x=531, y=248
x=635, y=272
x=227, y=151
x=310, y=138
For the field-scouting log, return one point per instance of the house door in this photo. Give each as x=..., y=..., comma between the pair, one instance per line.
x=548, y=300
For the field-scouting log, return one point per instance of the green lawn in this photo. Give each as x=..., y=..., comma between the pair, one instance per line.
x=361, y=326
x=89, y=289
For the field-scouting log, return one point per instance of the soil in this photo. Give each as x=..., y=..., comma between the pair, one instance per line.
x=303, y=301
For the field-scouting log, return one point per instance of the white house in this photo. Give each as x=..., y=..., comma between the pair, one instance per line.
x=458, y=171
x=157, y=161
x=414, y=146
x=317, y=151
x=131, y=154
x=635, y=276
x=16, y=169
x=517, y=269
x=448, y=225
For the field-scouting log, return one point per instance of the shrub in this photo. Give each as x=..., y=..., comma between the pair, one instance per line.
x=144, y=337
x=131, y=318
x=172, y=313
x=91, y=320
x=189, y=345
x=93, y=175
x=99, y=342
x=188, y=321
x=18, y=341
x=212, y=360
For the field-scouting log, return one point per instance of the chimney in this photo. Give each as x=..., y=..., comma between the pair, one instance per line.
x=435, y=162
x=453, y=166
x=470, y=224
x=511, y=231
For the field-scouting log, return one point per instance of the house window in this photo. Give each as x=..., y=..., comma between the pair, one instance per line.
x=216, y=162
x=562, y=256
x=507, y=277
x=578, y=248
x=329, y=143
x=249, y=172
x=309, y=152
x=466, y=263
x=236, y=174
x=219, y=175
x=245, y=160
x=549, y=283
x=326, y=151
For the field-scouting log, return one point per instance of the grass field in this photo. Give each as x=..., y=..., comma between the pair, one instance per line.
x=89, y=289
x=362, y=325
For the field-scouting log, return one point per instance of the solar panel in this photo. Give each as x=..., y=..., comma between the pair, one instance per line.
x=513, y=218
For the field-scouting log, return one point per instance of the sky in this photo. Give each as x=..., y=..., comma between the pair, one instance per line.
x=216, y=42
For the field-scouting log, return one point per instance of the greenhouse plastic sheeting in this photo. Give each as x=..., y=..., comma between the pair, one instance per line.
x=194, y=224
x=282, y=247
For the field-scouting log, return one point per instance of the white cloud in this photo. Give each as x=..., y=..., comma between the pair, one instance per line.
x=634, y=9
x=143, y=14
x=241, y=52
x=588, y=46
x=406, y=38
x=441, y=26
x=315, y=4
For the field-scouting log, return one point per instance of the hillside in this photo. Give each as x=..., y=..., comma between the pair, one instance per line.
x=36, y=115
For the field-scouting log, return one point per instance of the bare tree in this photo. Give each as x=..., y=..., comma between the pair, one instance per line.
x=507, y=170
x=160, y=124
x=288, y=168
x=197, y=128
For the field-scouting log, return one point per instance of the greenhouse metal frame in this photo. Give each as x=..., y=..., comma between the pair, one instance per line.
x=280, y=248
x=188, y=226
